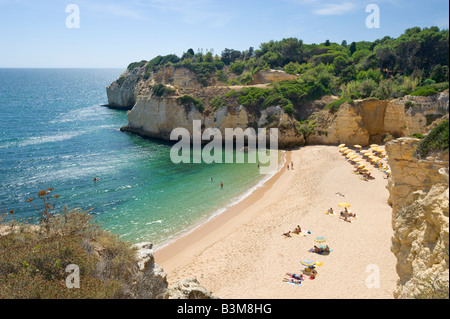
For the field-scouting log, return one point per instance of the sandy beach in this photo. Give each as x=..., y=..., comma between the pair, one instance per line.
x=242, y=253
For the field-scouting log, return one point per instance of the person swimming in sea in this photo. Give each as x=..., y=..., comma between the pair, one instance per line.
x=221, y=185
x=96, y=179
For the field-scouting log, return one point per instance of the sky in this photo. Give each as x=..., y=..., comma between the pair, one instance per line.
x=113, y=33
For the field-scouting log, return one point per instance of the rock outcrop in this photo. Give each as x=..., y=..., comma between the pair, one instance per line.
x=369, y=121
x=356, y=122
x=149, y=281
x=269, y=76
x=419, y=196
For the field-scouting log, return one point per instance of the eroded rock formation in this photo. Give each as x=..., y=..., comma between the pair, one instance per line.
x=419, y=196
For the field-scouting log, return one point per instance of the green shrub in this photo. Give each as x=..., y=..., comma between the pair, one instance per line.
x=289, y=109
x=221, y=76
x=424, y=91
x=159, y=62
x=33, y=261
x=436, y=140
x=336, y=105
x=160, y=90
x=409, y=104
x=237, y=68
x=189, y=101
x=135, y=65
x=417, y=135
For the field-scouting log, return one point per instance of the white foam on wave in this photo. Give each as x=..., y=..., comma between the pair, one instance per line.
x=82, y=114
x=37, y=140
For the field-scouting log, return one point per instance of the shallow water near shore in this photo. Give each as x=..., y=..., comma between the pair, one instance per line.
x=56, y=133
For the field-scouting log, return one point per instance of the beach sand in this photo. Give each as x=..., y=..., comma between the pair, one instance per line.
x=242, y=254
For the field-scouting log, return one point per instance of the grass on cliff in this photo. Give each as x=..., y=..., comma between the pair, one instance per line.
x=436, y=140
x=33, y=261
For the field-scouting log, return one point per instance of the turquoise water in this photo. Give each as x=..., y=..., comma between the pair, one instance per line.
x=55, y=133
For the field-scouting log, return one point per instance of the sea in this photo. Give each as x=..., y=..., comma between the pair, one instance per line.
x=55, y=132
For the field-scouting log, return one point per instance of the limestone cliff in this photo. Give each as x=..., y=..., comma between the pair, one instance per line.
x=149, y=281
x=419, y=195
x=356, y=122
x=369, y=121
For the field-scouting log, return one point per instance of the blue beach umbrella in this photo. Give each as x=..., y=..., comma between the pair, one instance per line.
x=308, y=262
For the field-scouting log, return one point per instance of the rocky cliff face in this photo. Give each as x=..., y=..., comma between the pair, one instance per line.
x=419, y=196
x=368, y=121
x=156, y=117
x=360, y=122
x=149, y=281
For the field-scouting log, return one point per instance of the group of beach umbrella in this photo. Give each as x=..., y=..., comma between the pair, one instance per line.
x=360, y=158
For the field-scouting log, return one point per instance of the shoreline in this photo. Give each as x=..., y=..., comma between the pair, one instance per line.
x=242, y=253
x=177, y=245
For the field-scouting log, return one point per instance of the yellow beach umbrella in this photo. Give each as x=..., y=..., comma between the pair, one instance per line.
x=343, y=149
x=357, y=146
x=374, y=145
x=342, y=145
x=343, y=204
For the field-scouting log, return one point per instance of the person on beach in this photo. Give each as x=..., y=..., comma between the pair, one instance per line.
x=297, y=230
x=294, y=281
x=288, y=234
x=296, y=276
x=330, y=211
x=292, y=165
x=344, y=217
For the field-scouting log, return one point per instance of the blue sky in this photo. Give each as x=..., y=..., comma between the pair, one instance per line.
x=114, y=33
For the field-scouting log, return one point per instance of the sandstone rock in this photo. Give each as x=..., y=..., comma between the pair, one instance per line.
x=269, y=76
x=189, y=289
x=368, y=121
x=419, y=195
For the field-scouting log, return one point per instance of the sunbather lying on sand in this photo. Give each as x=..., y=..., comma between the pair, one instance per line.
x=321, y=250
x=296, y=276
x=294, y=281
x=288, y=234
x=344, y=217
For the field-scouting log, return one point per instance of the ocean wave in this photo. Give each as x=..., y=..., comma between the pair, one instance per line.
x=37, y=140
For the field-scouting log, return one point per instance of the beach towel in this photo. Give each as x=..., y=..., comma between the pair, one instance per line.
x=293, y=283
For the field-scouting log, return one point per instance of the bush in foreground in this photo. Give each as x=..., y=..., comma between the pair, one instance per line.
x=33, y=260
